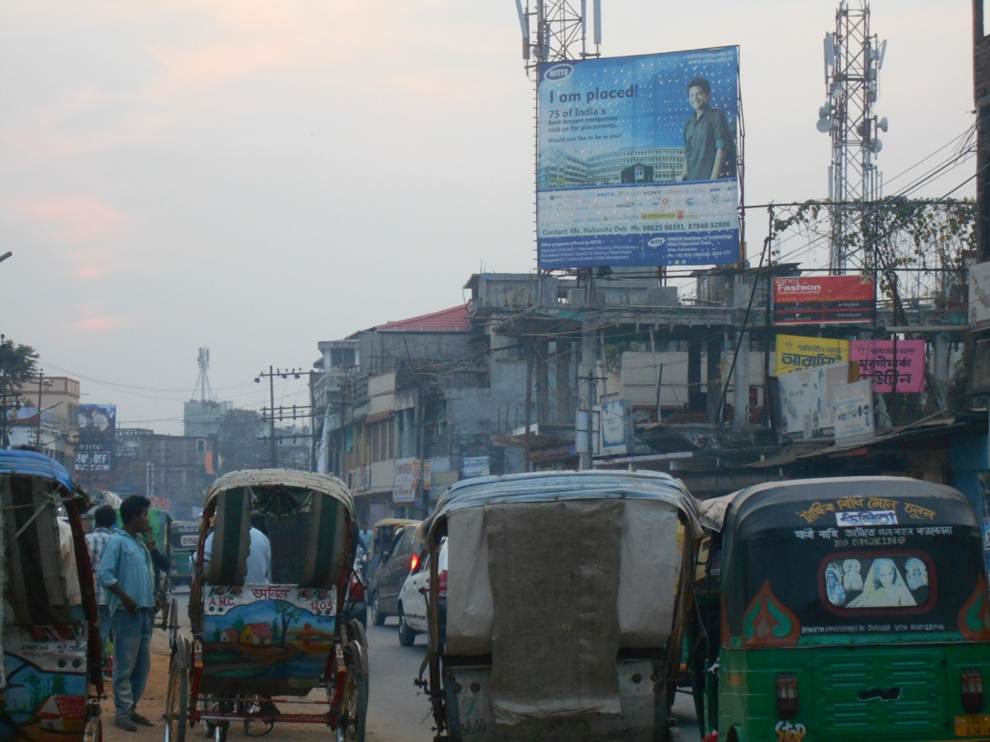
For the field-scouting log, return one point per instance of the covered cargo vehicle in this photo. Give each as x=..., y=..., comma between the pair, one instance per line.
x=560, y=616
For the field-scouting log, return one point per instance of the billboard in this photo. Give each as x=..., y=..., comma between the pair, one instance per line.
x=97, y=432
x=796, y=352
x=637, y=160
x=853, y=413
x=979, y=295
x=886, y=365
x=822, y=300
x=806, y=400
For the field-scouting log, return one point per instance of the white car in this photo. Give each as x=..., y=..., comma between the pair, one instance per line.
x=412, y=597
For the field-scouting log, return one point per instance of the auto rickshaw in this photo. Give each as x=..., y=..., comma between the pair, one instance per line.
x=183, y=537
x=257, y=651
x=563, y=603
x=382, y=536
x=51, y=680
x=843, y=609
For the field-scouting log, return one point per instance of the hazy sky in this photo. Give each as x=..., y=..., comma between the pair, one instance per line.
x=259, y=176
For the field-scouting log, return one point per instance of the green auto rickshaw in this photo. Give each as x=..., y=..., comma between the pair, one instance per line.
x=842, y=610
x=183, y=537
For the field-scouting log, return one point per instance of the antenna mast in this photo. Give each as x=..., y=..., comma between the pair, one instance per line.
x=560, y=31
x=853, y=58
x=203, y=388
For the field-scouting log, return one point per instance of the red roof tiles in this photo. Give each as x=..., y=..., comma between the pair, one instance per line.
x=455, y=319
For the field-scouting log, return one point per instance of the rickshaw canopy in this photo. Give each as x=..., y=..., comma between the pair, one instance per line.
x=35, y=464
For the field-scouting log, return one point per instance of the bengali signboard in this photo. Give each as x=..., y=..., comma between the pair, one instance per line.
x=404, y=485
x=853, y=413
x=475, y=466
x=806, y=400
x=637, y=160
x=823, y=300
x=889, y=364
x=796, y=352
x=97, y=432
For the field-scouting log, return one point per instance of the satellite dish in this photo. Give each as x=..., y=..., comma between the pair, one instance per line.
x=823, y=125
x=882, y=124
x=825, y=111
x=875, y=146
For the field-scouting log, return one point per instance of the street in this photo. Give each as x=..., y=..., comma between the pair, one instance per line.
x=397, y=711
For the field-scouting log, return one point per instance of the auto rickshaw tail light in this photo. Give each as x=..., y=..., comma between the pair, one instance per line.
x=442, y=582
x=413, y=562
x=972, y=691
x=787, y=695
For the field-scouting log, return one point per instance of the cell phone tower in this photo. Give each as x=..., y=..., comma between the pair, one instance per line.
x=203, y=388
x=557, y=30
x=853, y=58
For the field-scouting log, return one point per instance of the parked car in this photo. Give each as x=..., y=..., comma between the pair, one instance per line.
x=397, y=562
x=412, y=598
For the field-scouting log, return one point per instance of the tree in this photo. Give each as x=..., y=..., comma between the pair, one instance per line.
x=239, y=442
x=18, y=363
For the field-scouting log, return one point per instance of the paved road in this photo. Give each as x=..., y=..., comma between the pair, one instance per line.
x=398, y=712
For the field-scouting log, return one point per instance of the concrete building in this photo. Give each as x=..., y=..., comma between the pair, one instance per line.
x=59, y=425
x=201, y=419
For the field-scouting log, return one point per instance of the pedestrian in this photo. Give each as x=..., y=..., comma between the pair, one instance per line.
x=103, y=519
x=125, y=572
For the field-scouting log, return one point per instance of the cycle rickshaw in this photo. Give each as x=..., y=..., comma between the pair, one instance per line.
x=258, y=650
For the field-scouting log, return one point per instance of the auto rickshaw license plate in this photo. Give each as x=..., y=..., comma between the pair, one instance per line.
x=972, y=724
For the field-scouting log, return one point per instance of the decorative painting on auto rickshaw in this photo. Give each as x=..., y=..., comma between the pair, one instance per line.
x=267, y=631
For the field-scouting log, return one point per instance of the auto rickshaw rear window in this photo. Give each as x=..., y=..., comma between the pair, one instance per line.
x=888, y=580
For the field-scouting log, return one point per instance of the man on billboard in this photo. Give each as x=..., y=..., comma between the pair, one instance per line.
x=709, y=151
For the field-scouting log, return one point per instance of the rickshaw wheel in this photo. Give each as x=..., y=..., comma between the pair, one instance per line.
x=354, y=709
x=220, y=731
x=94, y=730
x=177, y=705
x=356, y=632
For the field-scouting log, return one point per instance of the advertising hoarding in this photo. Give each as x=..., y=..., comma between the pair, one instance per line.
x=796, y=352
x=853, y=412
x=886, y=364
x=822, y=300
x=613, y=428
x=979, y=295
x=404, y=484
x=806, y=400
x=97, y=432
x=637, y=160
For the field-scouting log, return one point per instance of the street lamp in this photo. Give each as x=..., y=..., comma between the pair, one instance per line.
x=5, y=256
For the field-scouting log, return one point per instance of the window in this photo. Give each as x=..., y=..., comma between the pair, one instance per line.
x=892, y=580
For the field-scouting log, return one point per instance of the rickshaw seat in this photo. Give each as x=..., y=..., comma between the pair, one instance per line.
x=231, y=537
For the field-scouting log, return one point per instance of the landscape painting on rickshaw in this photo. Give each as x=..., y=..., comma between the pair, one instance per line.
x=267, y=631
x=46, y=682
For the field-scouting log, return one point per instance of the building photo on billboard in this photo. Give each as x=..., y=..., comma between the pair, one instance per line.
x=637, y=160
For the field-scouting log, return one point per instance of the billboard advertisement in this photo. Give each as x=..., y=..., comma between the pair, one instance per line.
x=853, y=413
x=806, y=400
x=979, y=295
x=822, y=300
x=637, y=160
x=887, y=365
x=97, y=432
x=796, y=352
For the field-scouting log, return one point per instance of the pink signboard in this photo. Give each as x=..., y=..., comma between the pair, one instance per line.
x=877, y=361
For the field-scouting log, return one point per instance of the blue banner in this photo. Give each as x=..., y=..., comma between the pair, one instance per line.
x=637, y=160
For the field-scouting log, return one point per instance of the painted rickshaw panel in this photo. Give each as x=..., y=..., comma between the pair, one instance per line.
x=48, y=694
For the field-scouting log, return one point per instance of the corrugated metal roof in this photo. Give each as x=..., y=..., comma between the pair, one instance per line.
x=455, y=319
x=34, y=464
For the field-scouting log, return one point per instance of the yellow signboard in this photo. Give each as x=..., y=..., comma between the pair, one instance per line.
x=795, y=352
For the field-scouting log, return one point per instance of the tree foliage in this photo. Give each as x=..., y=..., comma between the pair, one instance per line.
x=18, y=363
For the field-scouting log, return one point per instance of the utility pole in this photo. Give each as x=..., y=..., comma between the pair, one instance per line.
x=5, y=256
x=270, y=413
x=37, y=417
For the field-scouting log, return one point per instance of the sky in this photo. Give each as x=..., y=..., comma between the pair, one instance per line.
x=259, y=176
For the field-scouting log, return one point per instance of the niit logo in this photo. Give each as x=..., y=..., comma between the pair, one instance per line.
x=657, y=242
x=558, y=72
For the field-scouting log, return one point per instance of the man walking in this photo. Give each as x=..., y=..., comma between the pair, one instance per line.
x=103, y=520
x=125, y=572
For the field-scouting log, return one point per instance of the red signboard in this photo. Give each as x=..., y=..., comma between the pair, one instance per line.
x=823, y=300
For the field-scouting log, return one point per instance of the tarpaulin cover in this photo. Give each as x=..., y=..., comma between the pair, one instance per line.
x=649, y=565
x=554, y=572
